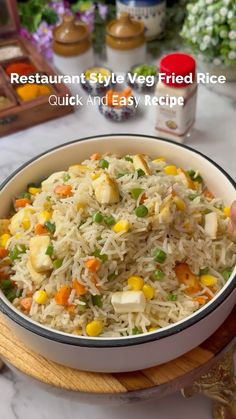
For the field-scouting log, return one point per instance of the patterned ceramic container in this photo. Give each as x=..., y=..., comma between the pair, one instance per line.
x=151, y=12
x=117, y=114
x=97, y=89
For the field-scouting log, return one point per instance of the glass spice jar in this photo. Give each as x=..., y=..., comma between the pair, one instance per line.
x=175, y=122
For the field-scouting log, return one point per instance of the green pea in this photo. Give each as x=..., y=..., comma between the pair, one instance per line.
x=103, y=164
x=109, y=220
x=66, y=177
x=136, y=331
x=140, y=173
x=16, y=252
x=97, y=217
x=111, y=276
x=159, y=255
x=97, y=300
x=51, y=227
x=128, y=158
x=119, y=175
x=157, y=275
x=136, y=192
x=192, y=196
x=141, y=211
x=11, y=294
x=57, y=263
x=203, y=271
x=26, y=195
x=102, y=257
x=226, y=273
x=50, y=250
x=194, y=176
x=172, y=297
x=6, y=284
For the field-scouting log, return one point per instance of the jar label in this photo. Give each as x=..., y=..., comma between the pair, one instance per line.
x=177, y=120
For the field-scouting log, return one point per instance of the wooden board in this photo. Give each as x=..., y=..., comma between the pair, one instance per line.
x=169, y=376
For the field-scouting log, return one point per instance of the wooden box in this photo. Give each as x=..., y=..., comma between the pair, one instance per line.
x=24, y=114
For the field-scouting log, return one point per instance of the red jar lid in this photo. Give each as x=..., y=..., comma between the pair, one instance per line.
x=181, y=65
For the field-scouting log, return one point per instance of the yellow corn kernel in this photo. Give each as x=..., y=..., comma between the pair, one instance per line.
x=148, y=291
x=80, y=205
x=179, y=203
x=122, y=225
x=34, y=191
x=4, y=239
x=18, y=236
x=152, y=329
x=171, y=169
x=94, y=328
x=208, y=280
x=96, y=175
x=77, y=331
x=136, y=283
x=44, y=216
x=159, y=159
x=25, y=223
x=226, y=211
x=40, y=297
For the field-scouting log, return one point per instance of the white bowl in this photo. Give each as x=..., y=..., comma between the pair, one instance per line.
x=132, y=352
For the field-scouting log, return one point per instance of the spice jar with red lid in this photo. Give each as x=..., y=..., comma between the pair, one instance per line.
x=177, y=94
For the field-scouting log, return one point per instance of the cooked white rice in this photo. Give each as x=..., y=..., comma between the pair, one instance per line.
x=179, y=232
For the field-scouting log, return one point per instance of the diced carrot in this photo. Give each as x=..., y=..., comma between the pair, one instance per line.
x=187, y=277
x=62, y=295
x=80, y=288
x=70, y=308
x=200, y=300
x=143, y=198
x=22, y=202
x=40, y=229
x=3, y=252
x=95, y=156
x=208, y=194
x=208, y=295
x=93, y=264
x=26, y=303
x=4, y=275
x=63, y=190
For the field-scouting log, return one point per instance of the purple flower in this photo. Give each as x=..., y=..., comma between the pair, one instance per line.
x=102, y=10
x=60, y=7
x=25, y=34
x=88, y=16
x=42, y=38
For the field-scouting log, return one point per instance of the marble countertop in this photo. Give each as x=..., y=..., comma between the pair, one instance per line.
x=214, y=134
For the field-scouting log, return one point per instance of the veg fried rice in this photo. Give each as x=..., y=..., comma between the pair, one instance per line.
x=115, y=246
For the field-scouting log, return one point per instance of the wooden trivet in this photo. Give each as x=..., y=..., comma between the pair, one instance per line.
x=207, y=369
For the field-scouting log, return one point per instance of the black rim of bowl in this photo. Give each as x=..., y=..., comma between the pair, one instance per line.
x=53, y=335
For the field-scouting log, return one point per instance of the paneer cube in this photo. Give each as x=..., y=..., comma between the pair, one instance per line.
x=36, y=277
x=106, y=189
x=19, y=219
x=128, y=301
x=140, y=163
x=37, y=252
x=211, y=224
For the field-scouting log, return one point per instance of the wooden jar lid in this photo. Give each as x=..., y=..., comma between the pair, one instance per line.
x=164, y=378
x=71, y=37
x=125, y=33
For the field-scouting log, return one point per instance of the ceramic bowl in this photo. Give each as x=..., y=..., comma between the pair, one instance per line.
x=96, y=89
x=137, y=85
x=117, y=114
x=132, y=352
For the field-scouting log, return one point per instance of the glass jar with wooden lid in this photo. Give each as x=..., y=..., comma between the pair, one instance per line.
x=72, y=47
x=125, y=42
